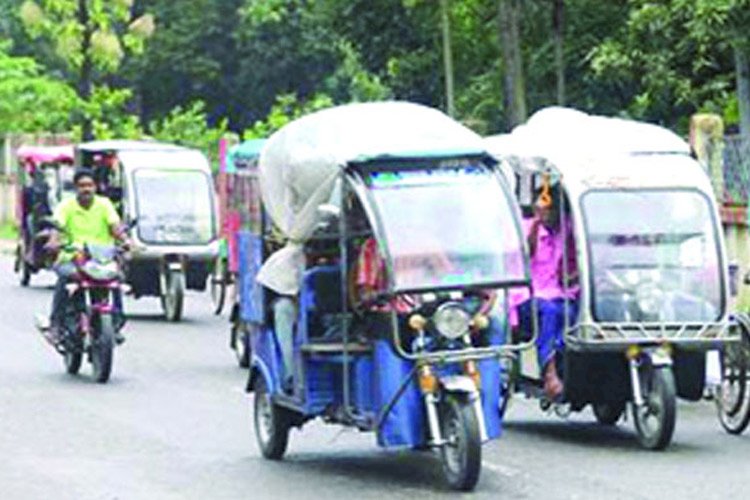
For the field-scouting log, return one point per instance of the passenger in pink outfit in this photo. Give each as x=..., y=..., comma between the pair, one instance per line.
x=548, y=235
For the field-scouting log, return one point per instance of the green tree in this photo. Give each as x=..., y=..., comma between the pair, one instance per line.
x=30, y=100
x=673, y=58
x=188, y=126
x=92, y=37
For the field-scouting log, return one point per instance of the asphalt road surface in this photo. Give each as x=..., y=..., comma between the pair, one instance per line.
x=174, y=422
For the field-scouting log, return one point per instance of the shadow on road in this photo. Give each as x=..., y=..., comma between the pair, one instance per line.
x=589, y=435
x=408, y=469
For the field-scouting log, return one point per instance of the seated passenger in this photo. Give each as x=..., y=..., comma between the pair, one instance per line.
x=547, y=234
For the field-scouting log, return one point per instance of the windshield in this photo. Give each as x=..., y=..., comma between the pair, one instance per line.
x=174, y=206
x=654, y=256
x=447, y=227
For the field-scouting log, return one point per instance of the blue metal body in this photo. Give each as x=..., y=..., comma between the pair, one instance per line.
x=375, y=377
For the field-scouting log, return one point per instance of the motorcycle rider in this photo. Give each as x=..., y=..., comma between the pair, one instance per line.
x=87, y=219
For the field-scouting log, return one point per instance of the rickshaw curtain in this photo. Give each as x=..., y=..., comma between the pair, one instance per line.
x=299, y=166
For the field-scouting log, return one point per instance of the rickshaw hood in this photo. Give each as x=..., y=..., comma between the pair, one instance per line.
x=299, y=166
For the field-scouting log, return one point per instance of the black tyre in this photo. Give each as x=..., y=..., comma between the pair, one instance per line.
x=102, y=349
x=272, y=423
x=733, y=396
x=655, y=420
x=219, y=282
x=608, y=413
x=461, y=454
x=174, y=296
x=240, y=342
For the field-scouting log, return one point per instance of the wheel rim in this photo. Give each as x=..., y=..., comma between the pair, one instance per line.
x=264, y=416
x=733, y=385
x=454, y=449
x=651, y=416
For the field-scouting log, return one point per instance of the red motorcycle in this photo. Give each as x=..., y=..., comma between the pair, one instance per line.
x=94, y=315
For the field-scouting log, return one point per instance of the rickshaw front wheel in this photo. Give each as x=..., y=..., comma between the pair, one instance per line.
x=655, y=420
x=174, y=296
x=461, y=454
x=272, y=423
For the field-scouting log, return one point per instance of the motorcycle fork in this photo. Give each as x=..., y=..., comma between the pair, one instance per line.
x=429, y=386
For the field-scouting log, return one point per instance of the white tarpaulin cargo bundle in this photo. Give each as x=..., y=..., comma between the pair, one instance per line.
x=572, y=138
x=300, y=163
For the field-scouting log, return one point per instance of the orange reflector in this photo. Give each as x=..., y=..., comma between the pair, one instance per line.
x=470, y=369
x=428, y=382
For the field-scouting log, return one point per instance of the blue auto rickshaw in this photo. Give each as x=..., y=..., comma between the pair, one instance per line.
x=421, y=186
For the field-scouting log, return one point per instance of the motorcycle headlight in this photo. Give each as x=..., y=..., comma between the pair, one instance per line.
x=451, y=320
x=649, y=298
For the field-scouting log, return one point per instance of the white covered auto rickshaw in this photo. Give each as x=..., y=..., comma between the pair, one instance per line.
x=646, y=279
x=166, y=192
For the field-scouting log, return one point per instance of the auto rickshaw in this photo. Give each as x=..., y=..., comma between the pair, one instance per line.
x=166, y=192
x=650, y=298
x=237, y=183
x=415, y=185
x=45, y=177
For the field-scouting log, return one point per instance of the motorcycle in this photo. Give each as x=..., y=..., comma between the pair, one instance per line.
x=93, y=315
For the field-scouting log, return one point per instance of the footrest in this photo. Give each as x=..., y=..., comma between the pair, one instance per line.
x=335, y=348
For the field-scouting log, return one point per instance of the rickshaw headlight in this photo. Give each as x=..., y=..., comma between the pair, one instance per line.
x=451, y=320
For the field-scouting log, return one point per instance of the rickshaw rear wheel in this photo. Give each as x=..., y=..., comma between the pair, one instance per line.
x=608, y=413
x=733, y=397
x=461, y=454
x=272, y=423
x=655, y=420
x=219, y=281
x=241, y=344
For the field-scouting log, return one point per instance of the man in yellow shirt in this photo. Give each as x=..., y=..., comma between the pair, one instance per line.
x=87, y=219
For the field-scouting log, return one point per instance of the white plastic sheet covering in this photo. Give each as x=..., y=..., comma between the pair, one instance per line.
x=300, y=163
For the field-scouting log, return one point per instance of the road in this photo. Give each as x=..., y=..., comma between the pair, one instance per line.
x=174, y=422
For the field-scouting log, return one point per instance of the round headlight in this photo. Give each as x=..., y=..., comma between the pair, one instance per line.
x=451, y=320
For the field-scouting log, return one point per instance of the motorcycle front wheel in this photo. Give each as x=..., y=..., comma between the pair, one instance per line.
x=102, y=349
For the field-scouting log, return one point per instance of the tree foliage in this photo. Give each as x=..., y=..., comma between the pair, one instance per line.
x=30, y=100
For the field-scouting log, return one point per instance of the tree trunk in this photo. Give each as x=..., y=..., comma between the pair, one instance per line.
x=447, y=57
x=742, y=65
x=85, y=75
x=514, y=97
x=558, y=28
